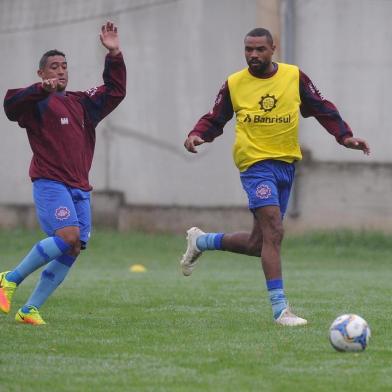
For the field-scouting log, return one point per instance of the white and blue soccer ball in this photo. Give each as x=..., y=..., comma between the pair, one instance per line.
x=349, y=332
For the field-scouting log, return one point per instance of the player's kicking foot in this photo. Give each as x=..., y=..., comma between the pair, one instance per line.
x=288, y=318
x=7, y=290
x=189, y=259
x=31, y=317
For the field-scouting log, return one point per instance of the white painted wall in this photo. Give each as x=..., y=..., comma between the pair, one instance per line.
x=344, y=46
x=178, y=53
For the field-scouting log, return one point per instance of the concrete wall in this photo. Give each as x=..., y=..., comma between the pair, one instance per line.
x=344, y=47
x=178, y=53
x=325, y=197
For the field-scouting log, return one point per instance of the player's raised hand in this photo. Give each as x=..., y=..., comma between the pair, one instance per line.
x=357, y=144
x=191, y=142
x=50, y=85
x=109, y=38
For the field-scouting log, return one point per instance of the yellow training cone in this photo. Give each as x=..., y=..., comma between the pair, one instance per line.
x=137, y=268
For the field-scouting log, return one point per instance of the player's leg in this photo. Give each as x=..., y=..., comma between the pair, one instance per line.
x=45, y=250
x=264, y=241
x=270, y=220
x=245, y=243
x=248, y=243
x=83, y=209
x=51, y=277
x=262, y=186
x=271, y=228
x=57, y=270
x=268, y=186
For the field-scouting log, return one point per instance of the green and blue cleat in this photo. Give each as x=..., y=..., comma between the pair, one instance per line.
x=31, y=317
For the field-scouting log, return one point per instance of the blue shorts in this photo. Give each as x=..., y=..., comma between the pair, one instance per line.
x=268, y=183
x=59, y=205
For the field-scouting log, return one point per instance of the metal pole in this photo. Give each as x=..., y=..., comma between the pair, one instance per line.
x=288, y=55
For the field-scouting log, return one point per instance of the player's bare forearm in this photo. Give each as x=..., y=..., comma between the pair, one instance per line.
x=110, y=39
x=356, y=143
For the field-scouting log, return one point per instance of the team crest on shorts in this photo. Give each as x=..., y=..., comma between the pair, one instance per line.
x=62, y=213
x=263, y=191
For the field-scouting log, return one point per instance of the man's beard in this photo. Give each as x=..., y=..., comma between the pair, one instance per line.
x=258, y=67
x=61, y=88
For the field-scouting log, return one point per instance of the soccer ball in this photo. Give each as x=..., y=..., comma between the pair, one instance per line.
x=349, y=332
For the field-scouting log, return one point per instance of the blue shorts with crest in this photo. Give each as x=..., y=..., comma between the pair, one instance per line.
x=59, y=206
x=268, y=183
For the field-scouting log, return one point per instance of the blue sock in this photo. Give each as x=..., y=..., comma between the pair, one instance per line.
x=277, y=297
x=51, y=278
x=41, y=253
x=210, y=241
x=26, y=308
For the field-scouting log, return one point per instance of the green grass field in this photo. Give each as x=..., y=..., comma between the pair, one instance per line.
x=112, y=330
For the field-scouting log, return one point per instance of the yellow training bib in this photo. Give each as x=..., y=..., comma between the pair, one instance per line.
x=267, y=112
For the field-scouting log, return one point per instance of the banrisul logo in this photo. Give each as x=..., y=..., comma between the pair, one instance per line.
x=268, y=102
x=256, y=118
x=248, y=118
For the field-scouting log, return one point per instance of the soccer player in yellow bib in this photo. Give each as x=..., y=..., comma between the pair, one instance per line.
x=266, y=98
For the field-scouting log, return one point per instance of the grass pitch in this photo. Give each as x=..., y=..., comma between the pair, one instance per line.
x=112, y=330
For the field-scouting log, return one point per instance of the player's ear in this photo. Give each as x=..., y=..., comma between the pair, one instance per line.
x=40, y=73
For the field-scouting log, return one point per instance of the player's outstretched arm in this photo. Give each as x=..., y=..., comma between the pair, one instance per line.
x=191, y=142
x=357, y=144
x=109, y=38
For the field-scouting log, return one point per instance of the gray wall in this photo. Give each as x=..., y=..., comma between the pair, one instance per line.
x=178, y=53
x=344, y=45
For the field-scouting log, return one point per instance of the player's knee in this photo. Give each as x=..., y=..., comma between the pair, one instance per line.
x=277, y=233
x=75, y=246
x=75, y=249
x=72, y=238
x=274, y=232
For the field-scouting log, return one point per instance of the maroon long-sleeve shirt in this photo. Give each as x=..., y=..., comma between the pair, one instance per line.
x=61, y=126
x=313, y=104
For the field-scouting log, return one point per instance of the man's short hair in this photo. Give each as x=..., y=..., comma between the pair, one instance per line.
x=49, y=53
x=260, y=32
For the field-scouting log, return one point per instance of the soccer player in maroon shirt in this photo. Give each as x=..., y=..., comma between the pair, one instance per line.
x=60, y=126
x=266, y=98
